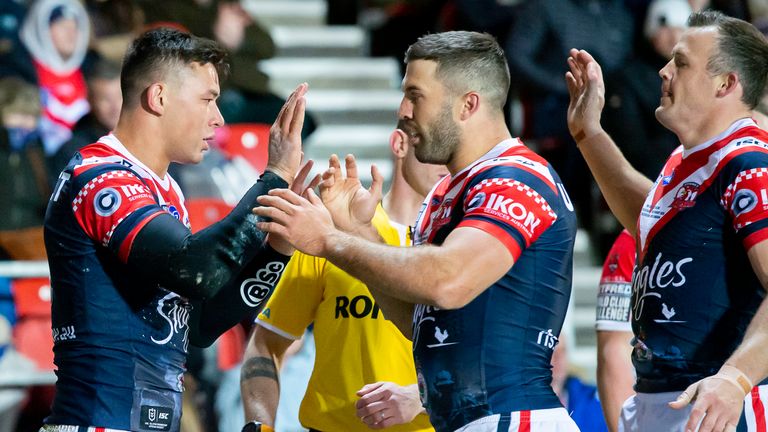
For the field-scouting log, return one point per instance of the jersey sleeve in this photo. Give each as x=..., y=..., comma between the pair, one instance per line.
x=508, y=209
x=292, y=307
x=746, y=200
x=614, y=295
x=112, y=207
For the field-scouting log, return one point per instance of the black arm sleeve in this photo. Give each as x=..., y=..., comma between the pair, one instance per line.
x=198, y=265
x=241, y=298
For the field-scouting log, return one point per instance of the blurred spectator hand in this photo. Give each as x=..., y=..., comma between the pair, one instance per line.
x=230, y=25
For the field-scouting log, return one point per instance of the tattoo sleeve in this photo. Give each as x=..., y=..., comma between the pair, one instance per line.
x=256, y=367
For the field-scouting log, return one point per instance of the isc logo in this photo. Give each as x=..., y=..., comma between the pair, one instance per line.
x=359, y=307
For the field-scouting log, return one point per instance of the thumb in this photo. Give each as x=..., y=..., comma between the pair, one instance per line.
x=686, y=397
x=377, y=183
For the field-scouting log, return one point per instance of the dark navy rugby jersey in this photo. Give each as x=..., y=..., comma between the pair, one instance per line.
x=493, y=355
x=694, y=290
x=119, y=342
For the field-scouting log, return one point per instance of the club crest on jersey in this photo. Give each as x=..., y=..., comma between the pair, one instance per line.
x=106, y=202
x=442, y=214
x=685, y=196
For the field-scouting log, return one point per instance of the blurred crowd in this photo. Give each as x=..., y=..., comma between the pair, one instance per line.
x=60, y=90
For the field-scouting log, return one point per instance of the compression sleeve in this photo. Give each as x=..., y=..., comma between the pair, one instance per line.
x=198, y=265
x=242, y=297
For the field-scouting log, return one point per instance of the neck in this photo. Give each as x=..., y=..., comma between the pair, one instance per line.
x=402, y=202
x=694, y=135
x=477, y=141
x=141, y=139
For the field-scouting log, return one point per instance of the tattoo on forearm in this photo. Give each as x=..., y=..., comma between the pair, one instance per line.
x=256, y=367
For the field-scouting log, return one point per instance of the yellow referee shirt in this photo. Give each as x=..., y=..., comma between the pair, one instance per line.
x=355, y=345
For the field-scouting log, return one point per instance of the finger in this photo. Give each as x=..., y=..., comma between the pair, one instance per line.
x=685, y=397
x=313, y=198
x=729, y=427
x=697, y=415
x=574, y=71
x=274, y=214
x=297, y=122
x=314, y=183
x=369, y=388
x=301, y=177
x=334, y=164
x=272, y=228
x=351, y=166
x=286, y=195
x=277, y=202
x=289, y=101
x=326, y=182
x=287, y=118
x=373, y=413
x=377, y=183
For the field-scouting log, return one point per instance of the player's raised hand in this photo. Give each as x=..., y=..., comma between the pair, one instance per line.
x=304, y=222
x=285, y=136
x=299, y=186
x=587, y=92
x=351, y=205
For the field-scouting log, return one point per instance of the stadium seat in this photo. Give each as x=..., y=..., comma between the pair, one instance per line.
x=249, y=141
x=205, y=211
x=32, y=332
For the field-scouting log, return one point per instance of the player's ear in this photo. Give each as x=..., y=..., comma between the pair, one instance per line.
x=154, y=98
x=398, y=143
x=470, y=103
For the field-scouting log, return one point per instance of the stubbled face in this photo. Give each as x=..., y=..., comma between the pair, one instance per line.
x=106, y=99
x=687, y=88
x=64, y=36
x=420, y=176
x=191, y=114
x=428, y=109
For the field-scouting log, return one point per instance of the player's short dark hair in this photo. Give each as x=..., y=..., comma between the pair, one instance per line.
x=741, y=48
x=466, y=61
x=158, y=51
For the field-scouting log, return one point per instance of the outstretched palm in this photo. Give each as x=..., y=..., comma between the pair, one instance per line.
x=587, y=93
x=351, y=205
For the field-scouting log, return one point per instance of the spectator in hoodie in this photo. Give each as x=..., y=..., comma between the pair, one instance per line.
x=56, y=33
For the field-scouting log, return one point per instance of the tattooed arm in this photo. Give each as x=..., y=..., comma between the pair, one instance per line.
x=259, y=383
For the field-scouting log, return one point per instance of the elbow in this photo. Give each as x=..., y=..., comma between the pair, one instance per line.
x=451, y=295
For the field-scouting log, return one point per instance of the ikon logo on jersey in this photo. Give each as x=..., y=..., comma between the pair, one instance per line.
x=506, y=208
x=685, y=196
x=135, y=191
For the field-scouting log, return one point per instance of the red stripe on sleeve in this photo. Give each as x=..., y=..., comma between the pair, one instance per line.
x=755, y=238
x=509, y=242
